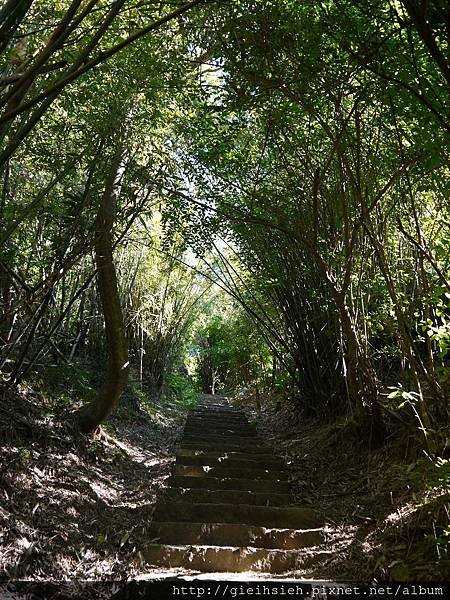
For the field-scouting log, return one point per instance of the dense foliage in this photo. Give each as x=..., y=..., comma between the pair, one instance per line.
x=292, y=155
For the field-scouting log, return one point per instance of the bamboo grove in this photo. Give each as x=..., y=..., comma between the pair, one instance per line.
x=258, y=186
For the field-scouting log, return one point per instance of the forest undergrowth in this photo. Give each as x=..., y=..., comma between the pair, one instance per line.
x=387, y=509
x=74, y=507
x=78, y=507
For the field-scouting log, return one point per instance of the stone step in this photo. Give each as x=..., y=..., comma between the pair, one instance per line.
x=217, y=405
x=200, y=496
x=220, y=434
x=233, y=534
x=200, y=421
x=226, y=420
x=200, y=418
x=215, y=483
x=220, y=403
x=229, y=472
x=230, y=559
x=219, y=419
x=218, y=438
x=201, y=446
x=219, y=412
x=198, y=430
x=286, y=517
x=230, y=410
x=217, y=415
x=268, y=456
x=230, y=460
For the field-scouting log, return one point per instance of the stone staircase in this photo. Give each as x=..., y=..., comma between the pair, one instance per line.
x=228, y=507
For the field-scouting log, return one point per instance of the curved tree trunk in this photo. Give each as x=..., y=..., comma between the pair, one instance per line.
x=92, y=414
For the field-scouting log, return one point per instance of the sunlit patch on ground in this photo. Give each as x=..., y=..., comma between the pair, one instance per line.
x=387, y=515
x=73, y=507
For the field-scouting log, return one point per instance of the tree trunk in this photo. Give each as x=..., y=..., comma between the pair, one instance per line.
x=361, y=379
x=419, y=14
x=97, y=410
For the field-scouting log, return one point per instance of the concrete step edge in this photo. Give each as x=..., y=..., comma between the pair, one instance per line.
x=234, y=534
x=233, y=454
x=230, y=558
x=232, y=462
x=229, y=472
x=279, y=517
x=205, y=496
x=215, y=483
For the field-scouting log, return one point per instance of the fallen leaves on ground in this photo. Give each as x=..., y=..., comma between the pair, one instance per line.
x=77, y=507
x=387, y=509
